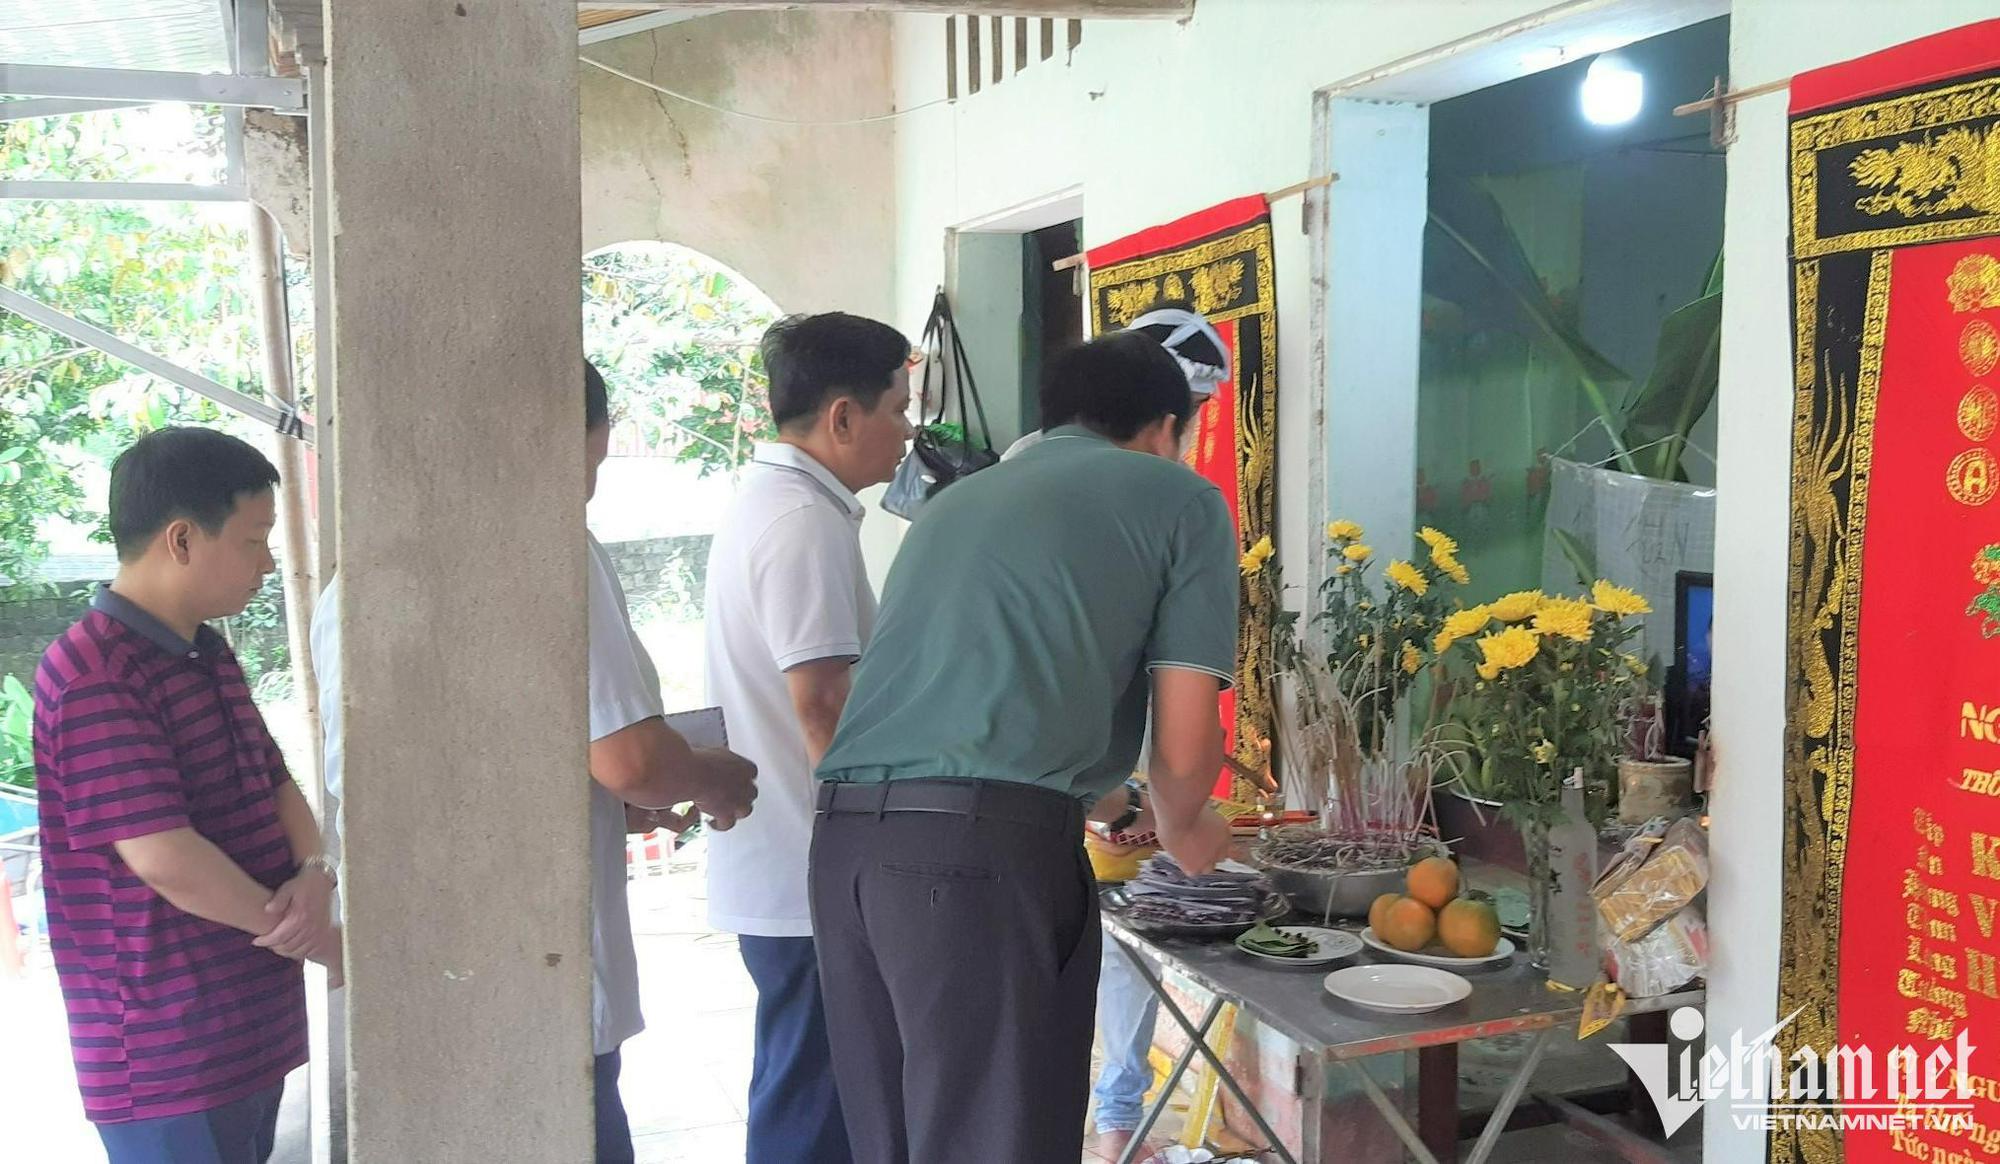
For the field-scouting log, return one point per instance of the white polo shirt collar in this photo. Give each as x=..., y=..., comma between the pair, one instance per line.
x=778, y=455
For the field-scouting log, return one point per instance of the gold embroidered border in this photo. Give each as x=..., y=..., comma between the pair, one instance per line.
x=1256, y=466
x=1913, y=113
x=1252, y=240
x=1874, y=331
x=1824, y=578
x=1256, y=453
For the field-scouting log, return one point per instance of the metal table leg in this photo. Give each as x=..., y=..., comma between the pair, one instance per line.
x=1201, y=1047
x=1495, y=1124
x=1312, y=1117
x=1437, y=1100
x=1397, y=1123
x=1509, y=1099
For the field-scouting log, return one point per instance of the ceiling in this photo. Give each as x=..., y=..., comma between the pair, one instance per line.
x=192, y=36
x=594, y=19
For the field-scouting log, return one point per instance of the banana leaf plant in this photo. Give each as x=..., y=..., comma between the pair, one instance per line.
x=1681, y=387
x=1660, y=414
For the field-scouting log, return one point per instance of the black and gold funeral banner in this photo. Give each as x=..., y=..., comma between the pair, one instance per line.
x=1892, y=764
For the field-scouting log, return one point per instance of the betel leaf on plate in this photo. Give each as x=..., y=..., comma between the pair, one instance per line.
x=1264, y=939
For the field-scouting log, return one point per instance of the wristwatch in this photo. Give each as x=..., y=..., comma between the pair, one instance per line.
x=325, y=865
x=1133, y=808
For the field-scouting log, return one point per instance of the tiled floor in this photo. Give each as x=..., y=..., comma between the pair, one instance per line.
x=685, y=1078
x=687, y=1075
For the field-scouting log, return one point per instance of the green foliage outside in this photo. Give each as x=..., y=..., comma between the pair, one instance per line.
x=173, y=279
x=167, y=277
x=676, y=337
x=17, y=756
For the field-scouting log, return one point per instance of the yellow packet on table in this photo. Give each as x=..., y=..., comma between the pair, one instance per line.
x=1602, y=1003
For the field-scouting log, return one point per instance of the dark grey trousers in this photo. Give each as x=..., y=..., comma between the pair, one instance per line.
x=958, y=958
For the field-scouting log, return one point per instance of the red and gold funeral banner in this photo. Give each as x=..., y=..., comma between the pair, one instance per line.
x=1892, y=766
x=1218, y=262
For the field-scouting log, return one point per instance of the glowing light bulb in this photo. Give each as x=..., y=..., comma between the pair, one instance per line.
x=1613, y=92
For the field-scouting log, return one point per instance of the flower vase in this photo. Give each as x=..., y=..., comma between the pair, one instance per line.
x=1541, y=892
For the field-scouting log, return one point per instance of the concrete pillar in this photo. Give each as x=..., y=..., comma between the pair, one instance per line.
x=452, y=135
x=1373, y=304
x=328, y=1009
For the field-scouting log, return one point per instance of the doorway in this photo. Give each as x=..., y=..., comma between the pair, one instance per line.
x=1014, y=309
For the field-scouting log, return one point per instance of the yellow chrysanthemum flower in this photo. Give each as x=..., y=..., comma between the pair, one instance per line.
x=1255, y=557
x=1412, y=659
x=1408, y=577
x=1358, y=552
x=1449, y=565
x=1543, y=752
x=1343, y=530
x=1634, y=665
x=1343, y=570
x=1506, y=650
x=1617, y=600
x=1461, y=624
x=1439, y=542
x=1568, y=617
x=1516, y=606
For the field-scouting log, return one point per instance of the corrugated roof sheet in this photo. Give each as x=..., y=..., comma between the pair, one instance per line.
x=187, y=36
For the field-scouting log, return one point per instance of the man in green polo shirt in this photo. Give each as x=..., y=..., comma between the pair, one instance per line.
x=1029, y=615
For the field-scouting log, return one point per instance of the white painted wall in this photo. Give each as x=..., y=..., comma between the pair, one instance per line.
x=800, y=211
x=1753, y=514
x=1154, y=120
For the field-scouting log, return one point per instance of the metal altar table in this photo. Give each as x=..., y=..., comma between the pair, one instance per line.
x=1333, y=1035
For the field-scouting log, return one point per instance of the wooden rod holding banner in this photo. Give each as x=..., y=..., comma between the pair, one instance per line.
x=1716, y=100
x=1278, y=195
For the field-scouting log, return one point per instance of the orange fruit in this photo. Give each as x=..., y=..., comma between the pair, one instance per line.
x=1380, y=909
x=1433, y=881
x=1408, y=924
x=1469, y=929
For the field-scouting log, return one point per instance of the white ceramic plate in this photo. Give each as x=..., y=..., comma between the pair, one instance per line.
x=1398, y=989
x=1328, y=946
x=1501, y=953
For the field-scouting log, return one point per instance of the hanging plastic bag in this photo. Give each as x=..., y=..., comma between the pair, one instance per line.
x=941, y=453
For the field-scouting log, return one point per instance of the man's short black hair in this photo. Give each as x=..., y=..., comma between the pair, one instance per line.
x=1115, y=386
x=175, y=473
x=812, y=359
x=596, y=400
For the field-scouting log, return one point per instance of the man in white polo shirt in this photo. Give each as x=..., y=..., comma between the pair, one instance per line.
x=789, y=609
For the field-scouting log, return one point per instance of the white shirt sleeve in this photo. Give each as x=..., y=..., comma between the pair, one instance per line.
x=1027, y=441
x=624, y=687
x=804, y=587
x=324, y=638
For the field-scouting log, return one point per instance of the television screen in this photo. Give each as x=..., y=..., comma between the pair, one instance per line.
x=1688, y=680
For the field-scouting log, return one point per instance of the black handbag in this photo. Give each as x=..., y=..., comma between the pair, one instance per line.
x=941, y=453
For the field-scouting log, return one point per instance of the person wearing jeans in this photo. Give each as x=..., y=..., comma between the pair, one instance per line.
x=1126, y=1011
x=788, y=610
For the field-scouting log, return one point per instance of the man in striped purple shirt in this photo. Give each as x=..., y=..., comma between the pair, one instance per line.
x=183, y=869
